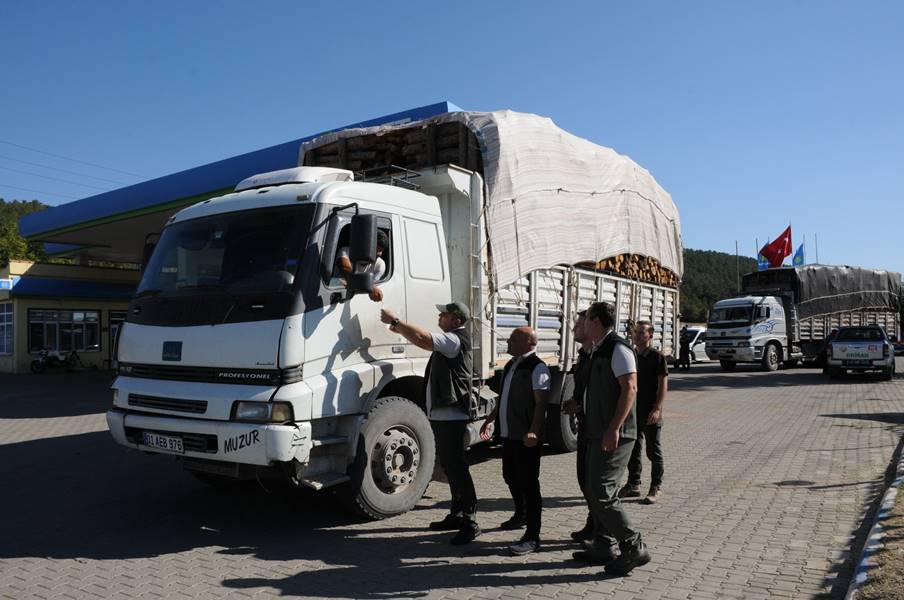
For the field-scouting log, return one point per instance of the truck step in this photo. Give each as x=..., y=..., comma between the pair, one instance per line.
x=324, y=480
x=329, y=440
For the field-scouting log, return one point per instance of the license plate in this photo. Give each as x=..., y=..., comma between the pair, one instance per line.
x=163, y=442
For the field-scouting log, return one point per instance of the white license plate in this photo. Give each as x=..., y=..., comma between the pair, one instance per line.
x=163, y=442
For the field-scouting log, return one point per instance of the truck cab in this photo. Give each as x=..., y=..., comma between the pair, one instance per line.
x=245, y=348
x=748, y=329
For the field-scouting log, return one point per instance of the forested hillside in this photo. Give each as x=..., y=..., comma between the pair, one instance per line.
x=11, y=243
x=709, y=276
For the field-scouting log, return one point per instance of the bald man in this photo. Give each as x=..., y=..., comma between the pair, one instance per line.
x=521, y=413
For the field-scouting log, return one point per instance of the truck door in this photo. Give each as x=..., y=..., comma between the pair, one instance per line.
x=427, y=275
x=345, y=335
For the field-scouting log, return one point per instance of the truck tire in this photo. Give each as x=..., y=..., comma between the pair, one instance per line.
x=889, y=373
x=727, y=365
x=770, y=358
x=561, y=428
x=394, y=460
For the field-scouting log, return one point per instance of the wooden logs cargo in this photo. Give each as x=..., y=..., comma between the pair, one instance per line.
x=416, y=148
x=636, y=267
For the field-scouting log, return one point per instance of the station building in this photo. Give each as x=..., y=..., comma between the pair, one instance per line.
x=76, y=307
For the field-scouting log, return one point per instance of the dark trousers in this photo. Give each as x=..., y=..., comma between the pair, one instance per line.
x=653, y=436
x=450, y=448
x=611, y=522
x=581, y=464
x=521, y=472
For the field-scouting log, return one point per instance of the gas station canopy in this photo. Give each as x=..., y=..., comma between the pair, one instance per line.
x=113, y=226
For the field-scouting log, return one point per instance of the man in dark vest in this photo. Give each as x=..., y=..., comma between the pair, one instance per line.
x=652, y=385
x=520, y=416
x=447, y=401
x=610, y=427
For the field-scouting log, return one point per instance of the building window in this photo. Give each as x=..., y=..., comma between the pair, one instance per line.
x=6, y=328
x=64, y=330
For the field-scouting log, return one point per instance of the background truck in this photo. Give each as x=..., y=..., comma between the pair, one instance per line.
x=245, y=354
x=786, y=314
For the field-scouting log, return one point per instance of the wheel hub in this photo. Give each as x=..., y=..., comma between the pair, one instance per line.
x=395, y=460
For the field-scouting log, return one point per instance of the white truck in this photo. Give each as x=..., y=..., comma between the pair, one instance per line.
x=245, y=355
x=786, y=314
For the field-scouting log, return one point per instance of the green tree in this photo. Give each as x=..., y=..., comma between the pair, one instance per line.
x=13, y=245
x=709, y=276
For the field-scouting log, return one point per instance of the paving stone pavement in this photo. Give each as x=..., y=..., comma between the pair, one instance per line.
x=768, y=480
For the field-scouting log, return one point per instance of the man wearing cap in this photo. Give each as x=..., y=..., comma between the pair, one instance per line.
x=447, y=401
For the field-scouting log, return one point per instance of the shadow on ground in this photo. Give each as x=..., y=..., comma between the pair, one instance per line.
x=54, y=394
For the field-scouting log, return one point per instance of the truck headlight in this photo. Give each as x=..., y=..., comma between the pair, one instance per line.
x=262, y=412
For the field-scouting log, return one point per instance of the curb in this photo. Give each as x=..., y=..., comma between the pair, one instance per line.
x=876, y=537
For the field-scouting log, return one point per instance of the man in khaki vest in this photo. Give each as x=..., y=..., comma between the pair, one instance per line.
x=521, y=415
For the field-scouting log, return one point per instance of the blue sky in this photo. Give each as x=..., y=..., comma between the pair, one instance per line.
x=752, y=115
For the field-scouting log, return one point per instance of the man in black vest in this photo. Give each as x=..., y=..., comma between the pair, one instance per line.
x=611, y=427
x=652, y=385
x=447, y=401
x=521, y=415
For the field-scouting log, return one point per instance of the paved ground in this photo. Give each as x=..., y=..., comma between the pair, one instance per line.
x=769, y=477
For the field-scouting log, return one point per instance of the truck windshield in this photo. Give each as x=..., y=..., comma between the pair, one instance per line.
x=730, y=316
x=239, y=252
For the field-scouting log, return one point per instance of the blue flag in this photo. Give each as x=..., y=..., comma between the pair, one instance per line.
x=798, y=259
x=762, y=263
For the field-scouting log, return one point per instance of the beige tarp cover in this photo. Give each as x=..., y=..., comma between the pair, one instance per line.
x=554, y=198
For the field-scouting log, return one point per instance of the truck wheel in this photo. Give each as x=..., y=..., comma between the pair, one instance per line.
x=889, y=373
x=770, y=358
x=561, y=429
x=727, y=365
x=394, y=460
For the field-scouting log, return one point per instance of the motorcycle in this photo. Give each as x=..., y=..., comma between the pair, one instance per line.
x=55, y=358
x=48, y=358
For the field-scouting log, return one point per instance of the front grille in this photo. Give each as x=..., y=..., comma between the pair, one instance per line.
x=170, y=404
x=268, y=377
x=192, y=442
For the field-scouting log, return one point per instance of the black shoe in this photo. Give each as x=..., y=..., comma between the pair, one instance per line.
x=582, y=535
x=653, y=495
x=629, y=560
x=594, y=557
x=450, y=523
x=631, y=490
x=516, y=522
x=525, y=546
x=465, y=535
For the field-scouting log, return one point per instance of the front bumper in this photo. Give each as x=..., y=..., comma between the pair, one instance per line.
x=879, y=364
x=244, y=443
x=735, y=354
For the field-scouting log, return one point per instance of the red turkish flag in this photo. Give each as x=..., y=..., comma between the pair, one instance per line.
x=776, y=251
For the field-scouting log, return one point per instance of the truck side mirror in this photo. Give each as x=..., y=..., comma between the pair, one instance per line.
x=362, y=252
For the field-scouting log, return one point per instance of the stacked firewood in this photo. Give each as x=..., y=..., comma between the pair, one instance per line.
x=637, y=267
x=411, y=148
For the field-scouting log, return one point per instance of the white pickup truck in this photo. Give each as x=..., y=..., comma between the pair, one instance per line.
x=861, y=349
